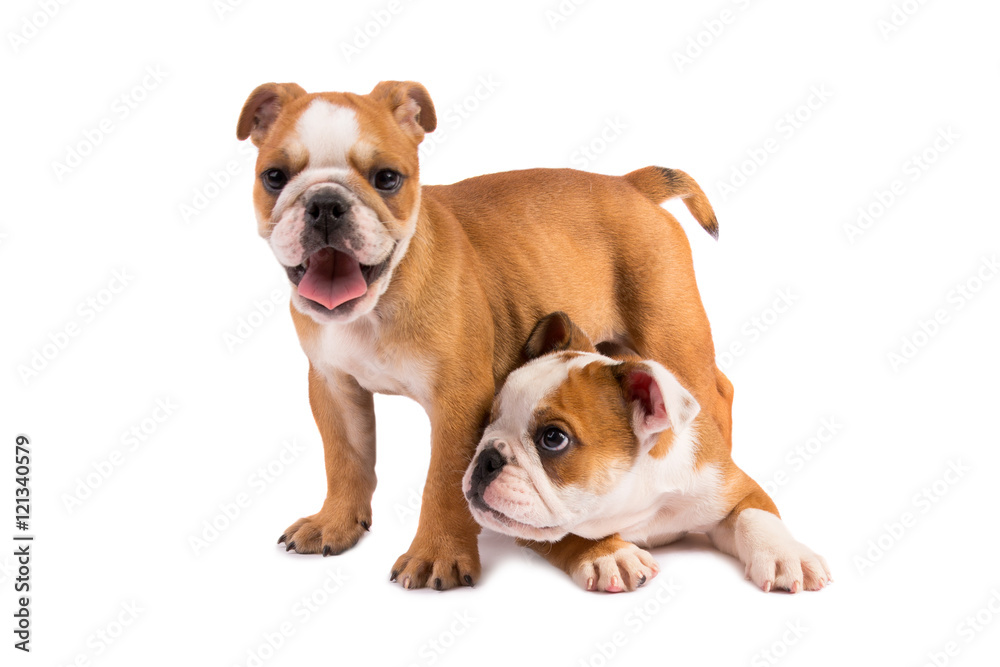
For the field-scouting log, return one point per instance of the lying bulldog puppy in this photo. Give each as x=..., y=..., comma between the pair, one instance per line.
x=590, y=456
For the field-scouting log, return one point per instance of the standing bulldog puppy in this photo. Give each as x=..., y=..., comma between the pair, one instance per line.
x=582, y=446
x=429, y=292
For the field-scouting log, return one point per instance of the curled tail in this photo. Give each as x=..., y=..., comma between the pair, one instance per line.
x=660, y=184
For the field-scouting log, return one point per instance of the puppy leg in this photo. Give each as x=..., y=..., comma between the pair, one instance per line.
x=610, y=564
x=345, y=415
x=773, y=559
x=445, y=551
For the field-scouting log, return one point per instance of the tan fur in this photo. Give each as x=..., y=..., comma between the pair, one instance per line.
x=490, y=255
x=590, y=408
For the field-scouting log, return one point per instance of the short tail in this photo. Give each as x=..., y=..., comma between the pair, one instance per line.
x=660, y=184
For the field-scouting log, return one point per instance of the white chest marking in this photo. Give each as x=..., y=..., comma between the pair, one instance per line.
x=662, y=499
x=354, y=348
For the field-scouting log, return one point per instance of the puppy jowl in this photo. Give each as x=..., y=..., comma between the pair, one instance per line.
x=402, y=288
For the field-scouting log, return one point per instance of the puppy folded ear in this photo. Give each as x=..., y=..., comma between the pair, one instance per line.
x=263, y=107
x=615, y=350
x=410, y=104
x=659, y=402
x=553, y=333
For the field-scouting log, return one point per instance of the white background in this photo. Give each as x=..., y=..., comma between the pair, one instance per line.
x=606, y=75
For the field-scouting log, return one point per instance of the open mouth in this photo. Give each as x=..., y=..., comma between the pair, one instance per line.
x=330, y=277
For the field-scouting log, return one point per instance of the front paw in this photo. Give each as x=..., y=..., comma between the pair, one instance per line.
x=773, y=559
x=791, y=566
x=440, y=565
x=327, y=532
x=613, y=565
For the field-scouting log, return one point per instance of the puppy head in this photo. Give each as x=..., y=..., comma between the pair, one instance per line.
x=337, y=193
x=567, y=432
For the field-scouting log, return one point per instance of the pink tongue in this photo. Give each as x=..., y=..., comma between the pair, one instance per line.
x=332, y=278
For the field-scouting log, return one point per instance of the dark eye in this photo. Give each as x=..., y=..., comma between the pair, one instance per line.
x=553, y=439
x=274, y=179
x=387, y=180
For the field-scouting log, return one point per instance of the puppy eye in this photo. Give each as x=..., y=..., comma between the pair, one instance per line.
x=387, y=180
x=274, y=180
x=553, y=439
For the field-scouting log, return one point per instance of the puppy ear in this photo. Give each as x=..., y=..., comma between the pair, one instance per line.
x=615, y=350
x=553, y=333
x=263, y=107
x=410, y=104
x=659, y=402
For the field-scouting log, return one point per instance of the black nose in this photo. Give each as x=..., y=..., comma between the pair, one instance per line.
x=488, y=466
x=325, y=211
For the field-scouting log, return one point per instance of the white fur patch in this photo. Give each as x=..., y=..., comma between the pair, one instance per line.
x=354, y=348
x=757, y=529
x=772, y=557
x=328, y=132
x=687, y=501
x=661, y=499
